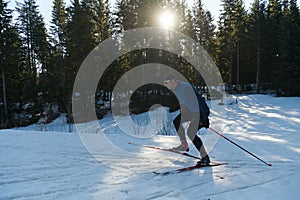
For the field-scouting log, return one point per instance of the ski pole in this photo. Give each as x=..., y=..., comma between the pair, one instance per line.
x=269, y=164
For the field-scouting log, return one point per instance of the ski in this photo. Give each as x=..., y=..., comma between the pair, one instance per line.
x=177, y=171
x=165, y=149
x=212, y=164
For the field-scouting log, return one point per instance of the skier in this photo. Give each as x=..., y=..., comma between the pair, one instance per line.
x=191, y=111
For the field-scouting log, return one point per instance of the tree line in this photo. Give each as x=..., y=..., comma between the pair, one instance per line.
x=259, y=47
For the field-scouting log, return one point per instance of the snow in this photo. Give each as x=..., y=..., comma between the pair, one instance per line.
x=49, y=162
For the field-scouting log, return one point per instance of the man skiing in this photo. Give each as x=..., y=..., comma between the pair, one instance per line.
x=190, y=111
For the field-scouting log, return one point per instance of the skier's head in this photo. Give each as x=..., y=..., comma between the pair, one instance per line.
x=170, y=81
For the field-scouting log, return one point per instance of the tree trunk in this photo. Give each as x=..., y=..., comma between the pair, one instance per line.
x=4, y=125
x=258, y=53
x=258, y=69
x=238, y=67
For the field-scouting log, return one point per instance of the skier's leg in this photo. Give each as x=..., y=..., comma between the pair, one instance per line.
x=181, y=133
x=192, y=133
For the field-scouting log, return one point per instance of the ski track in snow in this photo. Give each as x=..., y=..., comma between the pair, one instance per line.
x=55, y=165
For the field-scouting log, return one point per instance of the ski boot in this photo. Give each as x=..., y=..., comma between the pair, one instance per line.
x=204, y=161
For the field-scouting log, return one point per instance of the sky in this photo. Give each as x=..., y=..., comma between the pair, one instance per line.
x=45, y=6
x=214, y=6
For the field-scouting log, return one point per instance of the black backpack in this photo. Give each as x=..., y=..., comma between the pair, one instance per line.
x=203, y=107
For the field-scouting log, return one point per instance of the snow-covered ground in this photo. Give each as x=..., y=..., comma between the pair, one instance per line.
x=51, y=164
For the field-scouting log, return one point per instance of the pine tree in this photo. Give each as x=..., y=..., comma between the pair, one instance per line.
x=58, y=53
x=286, y=77
x=230, y=40
x=186, y=27
x=35, y=47
x=184, y=19
x=256, y=27
x=295, y=47
x=102, y=19
x=79, y=38
x=148, y=12
x=87, y=26
x=224, y=57
x=58, y=26
x=126, y=16
x=240, y=42
x=96, y=16
x=272, y=54
x=5, y=21
x=203, y=27
x=204, y=32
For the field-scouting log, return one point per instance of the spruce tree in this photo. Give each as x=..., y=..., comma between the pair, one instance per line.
x=256, y=27
x=224, y=42
x=12, y=73
x=5, y=27
x=87, y=26
x=35, y=47
x=274, y=14
x=57, y=72
x=231, y=41
x=286, y=77
x=58, y=26
x=102, y=19
x=204, y=28
x=126, y=15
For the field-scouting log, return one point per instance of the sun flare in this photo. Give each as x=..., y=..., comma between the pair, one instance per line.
x=166, y=20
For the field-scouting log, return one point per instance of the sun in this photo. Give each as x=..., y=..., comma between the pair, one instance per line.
x=166, y=20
